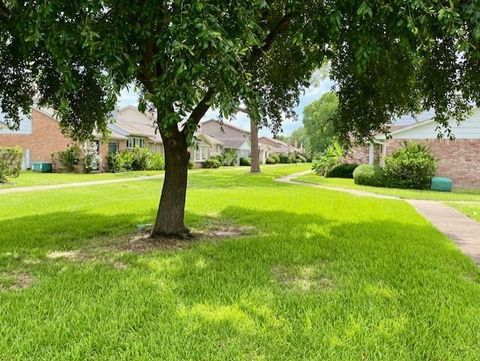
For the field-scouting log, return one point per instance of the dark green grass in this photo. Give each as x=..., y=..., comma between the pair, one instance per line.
x=323, y=276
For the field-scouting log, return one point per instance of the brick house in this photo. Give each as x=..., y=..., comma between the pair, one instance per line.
x=238, y=139
x=39, y=136
x=232, y=137
x=458, y=159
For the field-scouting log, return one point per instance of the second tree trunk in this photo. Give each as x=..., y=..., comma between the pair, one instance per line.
x=255, y=151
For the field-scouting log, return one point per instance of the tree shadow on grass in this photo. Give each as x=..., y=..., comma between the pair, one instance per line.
x=385, y=279
x=61, y=230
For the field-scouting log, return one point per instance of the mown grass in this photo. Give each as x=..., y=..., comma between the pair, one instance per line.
x=323, y=276
x=455, y=195
x=29, y=178
x=472, y=210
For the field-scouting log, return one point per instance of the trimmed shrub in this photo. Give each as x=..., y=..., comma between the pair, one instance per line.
x=271, y=160
x=10, y=163
x=157, y=162
x=190, y=164
x=245, y=161
x=135, y=159
x=69, y=158
x=343, y=170
x=140, y=158
x=369, y=175
x=275, y=156
x=114, y=164
x=411, y=166
x=124, y=160
x=229, y=157
x=212, y=163
x=284, y=158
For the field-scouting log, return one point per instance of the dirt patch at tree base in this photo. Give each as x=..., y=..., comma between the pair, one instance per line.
x=142, y=242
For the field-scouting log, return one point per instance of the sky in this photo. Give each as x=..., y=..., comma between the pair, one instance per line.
x=129, y=97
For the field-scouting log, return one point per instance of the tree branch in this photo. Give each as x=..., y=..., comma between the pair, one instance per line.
x=280, y=28
x=257, y=53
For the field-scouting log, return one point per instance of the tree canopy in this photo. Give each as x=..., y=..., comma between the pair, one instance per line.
x=318, y=119
x=387, y=58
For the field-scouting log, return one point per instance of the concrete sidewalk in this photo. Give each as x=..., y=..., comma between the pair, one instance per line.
x=75, y=185
x=464, y=231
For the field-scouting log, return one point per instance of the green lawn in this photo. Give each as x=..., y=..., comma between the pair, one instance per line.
x=320, y=275
x=470, y=209
x=30, y=178
x=456, y=195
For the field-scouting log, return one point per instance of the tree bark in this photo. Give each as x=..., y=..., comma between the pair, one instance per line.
x=171, y=211
x=254, y=150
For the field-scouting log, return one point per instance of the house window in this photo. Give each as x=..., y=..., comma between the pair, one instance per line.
x=243, y=153
x=201, y=154
x=112, y=147
x=133, y=142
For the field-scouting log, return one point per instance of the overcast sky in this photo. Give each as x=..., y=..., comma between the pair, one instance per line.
x=241, y=120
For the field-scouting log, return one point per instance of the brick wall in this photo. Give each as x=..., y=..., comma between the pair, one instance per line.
x=45, y=139
x=457, y=159
x=358, y=154
x=103, y=151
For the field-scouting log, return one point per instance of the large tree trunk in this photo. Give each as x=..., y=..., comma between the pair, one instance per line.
x=254, y=150
x=170, y=216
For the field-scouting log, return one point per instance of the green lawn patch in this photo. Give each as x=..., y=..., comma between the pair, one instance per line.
x=314, y=275
x=29, y=178
x=456, y=195
x=472, y=210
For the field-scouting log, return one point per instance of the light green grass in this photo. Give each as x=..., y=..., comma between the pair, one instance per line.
x=472, y=210
x=456, y=195
x=323, y=276
x=29, y=178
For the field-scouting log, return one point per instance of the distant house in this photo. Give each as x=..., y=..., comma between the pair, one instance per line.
x=39, y=136
x=232, y=137
x=138, y=129
x=276, y=146
x=205, y=147
x=458, y=159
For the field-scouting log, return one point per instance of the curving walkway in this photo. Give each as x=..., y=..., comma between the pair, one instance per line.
x=464, y=231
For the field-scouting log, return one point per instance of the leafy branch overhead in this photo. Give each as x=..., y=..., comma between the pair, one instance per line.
x=387, y=57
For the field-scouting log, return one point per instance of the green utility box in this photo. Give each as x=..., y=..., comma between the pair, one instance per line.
x=42, y=167
x=441, y=184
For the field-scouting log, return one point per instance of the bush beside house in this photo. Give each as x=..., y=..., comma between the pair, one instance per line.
x=245, y=162
x=411, y=166
x=10, y=163
x=213, y=162
x=342, y=170
x=369, y=175
x=229, y=157
x=134, y=160
x=329, y=159
x=67, y=160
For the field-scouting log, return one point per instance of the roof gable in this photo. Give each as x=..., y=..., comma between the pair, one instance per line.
x=427, y=129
